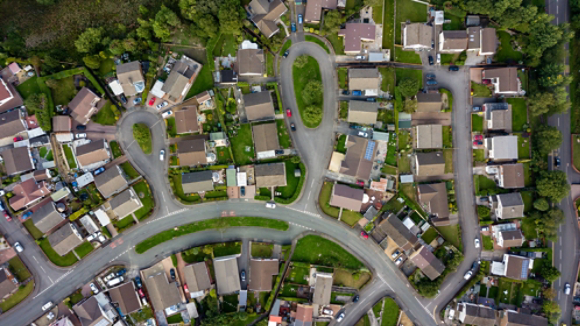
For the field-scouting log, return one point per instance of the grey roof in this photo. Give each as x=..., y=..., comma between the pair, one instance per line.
x=362, y=112
x=197, y=277
x=270, y=175
x=488, y=40
x=478, y=315
x=250, y=62
x=314, y=8
x=365, y=78
x=265, y=137
x=512, y=318
x=355, y=33
x=512, y=238
x=174, y=85
x=90, y=313
x=472, y=20
x=128, y=75
x=507, y=76
x=454, y=40
x=11, y=123
x=111, y=181
x=162, y=293
x=83, y=105
x=346, y=197
x=17, y=160
x=322, y=288
x=197, y=181
x=503, y=147
x=417, y=34
x=46, y=217
x=512, y=205
x=429, y=102
x=61, y=123
x=397, y=231
x=125, y=295
x=63, y=240
x=93, y=152
x=430, y=164
x=125, y=203
x=427, y=262
x=434, y=198
x=430, y=136
x=358, y=161
x=191, y=152
x=226, y=273
x=259, y=106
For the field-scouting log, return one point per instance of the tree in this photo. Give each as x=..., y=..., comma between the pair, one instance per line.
x=553, y=185
x=541, y=204
x=549, y=222
x=45, y=2
x=428, y=288
x=301, y=61
x=312, y=92
x=117, y=47
x=206, y=26
x=165, y=21
x=552, y=311
x=550, y=273
x=144, y=29
x=552, y=76
x=483, y=212
x=92, y=61
x=295, y=159
x=88, y=41
x=543, y=35
x=547, y=139
x=231, y=16
x=130, y=44
x=408, y=87
x=410, y=105
x=332, y=21
x=313, y=114
x=231, y=106
x=549, y=294
x=540, y=103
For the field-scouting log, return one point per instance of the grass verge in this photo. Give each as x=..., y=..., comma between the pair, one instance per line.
x=142, y=135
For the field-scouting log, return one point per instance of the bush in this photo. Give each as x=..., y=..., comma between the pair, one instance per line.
x=142, y=135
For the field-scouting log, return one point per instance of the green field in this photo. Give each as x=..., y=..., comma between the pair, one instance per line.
x=389, y=25
x=402, y=73
x=291, y=181
x=129, y=170
x=32, y=229
x=505, y=52
x=241, y=141
x=452, y=233
x=519, y=113
x=116, y=149
x=270, y=58
x=283, y=135
x=429, y=235
x=107, y=115
x=337, y=43
x=480, y=90
x=28, y=88
x=320, y=251
x=576, y=151
x=227, y=249
x=388, y=79
x=406, y=56
x=310, y=71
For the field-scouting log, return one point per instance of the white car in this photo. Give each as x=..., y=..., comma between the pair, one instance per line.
x=490, y=169
x=438, y=58
x=50, y=315
x=467, y=275
x=363, y=134
x=395, y=254
x=360, y=57
x=567, y=289
x=162, y=155
x=47, y=306
x=80, y=136
x=166, y=114
x=270, y=205
x=340, y=317
x=94, y=288
x=399, y=261
x=110, y=277
x=2, y=193
x=476, y=243
x=162, y=105
x=18, y=247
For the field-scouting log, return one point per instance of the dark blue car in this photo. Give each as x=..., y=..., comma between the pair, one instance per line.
x=121, y=272
x=293, y=26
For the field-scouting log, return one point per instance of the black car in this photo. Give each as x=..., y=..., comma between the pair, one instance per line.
x=292, y=126
x=172, y=273
x=430, y=60
x=243, y=190
x=123, y=99
x=345, y=92
x=453, y=68
x=81, y=127
x=279, y=152
x=355, y=298
x=557, y=161
x=286, y=53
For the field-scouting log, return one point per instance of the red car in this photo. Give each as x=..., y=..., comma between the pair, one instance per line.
x=288, y=113
x=8, y=218
x=151, y=101
x=478, y=137
x=18, y=138
x=477, y=143
x=360, y=183
x=486, y=81
x=364, y=234
x=141, y=294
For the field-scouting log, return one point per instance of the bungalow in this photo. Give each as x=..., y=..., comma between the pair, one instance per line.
x=259, y=106
x=429, y=102
x=355, y=34
x=314, y=9
x=508, y=205
x=346, y=197
x=125, y=203
x=427, y=263
x=505, y=81
x=512, y=266
x=270, y=175
x=474, y=314
x=429, y=136
x=433, y=199
x=265, y=14
x=429, y=164
x=125, y=298
x=7, y=286
x=513, y=318
x=511, y=176
x=362, y=112
x=265, y=140
x=360, y=154
x=452, y=41
x=502, y=148
x=488, y=41
x=93, y=155
x=394, y=228
x=83, y=106
x=367, y=80
x=130, y=76
x=111, y=181
x=11, y=124
x=17, y=160
x=250, y=63
x=195, y=182
x=197, y=279
x=65, y=239
x=186, y=121
x=90, y=313
x=192, y=152
x=322, y=287
x=162, y=293
x=261, y=274
x=27, y=193
x=46, y=217
x=417, y=36
x=226, y=273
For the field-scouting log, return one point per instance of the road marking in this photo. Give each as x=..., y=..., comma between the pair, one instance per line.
x=36, y=260
x=130, y=144
x=558, y=121
x=560, y=254
x=50, y=280
x=54, y=282
x=309, y=193
x=42, y=269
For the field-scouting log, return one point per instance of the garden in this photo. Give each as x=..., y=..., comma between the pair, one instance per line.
x=348, y=217
x=317, y=250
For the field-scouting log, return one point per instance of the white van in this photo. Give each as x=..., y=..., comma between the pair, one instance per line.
x=115, y=281
x=270, y=205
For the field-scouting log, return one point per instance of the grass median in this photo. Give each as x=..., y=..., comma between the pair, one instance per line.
x=308, y=89
x=218, y=223
x=142, y=135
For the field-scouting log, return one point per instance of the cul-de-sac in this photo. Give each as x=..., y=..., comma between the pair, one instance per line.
x=289, y=162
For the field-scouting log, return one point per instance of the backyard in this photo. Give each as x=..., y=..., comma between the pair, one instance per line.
x=408, y=11
x=480, y=90
x=70, y=158
x=107, y=115
x=63, y=91
x=242, y=145
x=283, y=135
x=452, y=233
x=390, y=312
x=302, y=76
x=505, y=52
x=388, y=24
x=523, y=146
x=406, y=56
x=348, y=217
x=144, y=192
x=320, y=251
x=519, y=113
x=388, y=79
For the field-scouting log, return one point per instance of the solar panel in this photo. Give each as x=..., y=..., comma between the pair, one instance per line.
x=525, y=266
x=369, y=151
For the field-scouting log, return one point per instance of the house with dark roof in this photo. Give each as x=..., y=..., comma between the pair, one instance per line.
x=314, y=9
x=505, y=80
x=429, y=164
x=394, y=228
x=125, y=203
x=65, y=239
x=509, y=317
x=360, y=154
x=90, y=313
x=27, y=193
x=46, y=217
x=265, y=140
x=186, y=121
x=452, y=41
x=195, y=182
x=162, y=293
x=355, y=34
x=508, y=205
x=250, y=62
x=228, y=77
x=512, y=266
x=17, y=160
x=181, y=77
x=130, y=76
x=7, y=287
x=93, y=155
x=498, y=116
x=433, y=199
x=197, y=279
x=226, y=274
x=262, y=272
x=510, y=238
x=11, y=124
x=111, y=182
x=259, y=106
x=362, y=112
x=502, y=148
x=427, y=263
x=417, y=36
x=125, y=297
x=429, y=102
x=192, y=152
x=83, y=106
x=365, y=79
x=270, y=175
x=265, y=14
x=322, y=288
x=429, y=136
x=477, y=315
x=346, y=197
x=511, y=176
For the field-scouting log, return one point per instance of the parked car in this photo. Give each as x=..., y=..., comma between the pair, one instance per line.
x=356, y=93
x=81, y=136
x=360, y=57
x=162, y=105
x=299, y=18
x=121, y=272
x=152, y=101
x=364, y=234
x=486, y=81
x=432, y=44
x=430, y=76
x=50, y=316
x=286, y=53
x=138, y=282
x=557, y=161
x=123, y=99
x=345, y=92
x=395, y=254
x=47, y=306
x=484, y=228
x=242, y=190
x=355, y=298
x=491, y=169
x=438, y=58
x=18, y=247
x=363, y=134
x=360, y=183
x=81, y=127
x=137, y=100
x=430, y=60
x=431, y=82
x=340, y=317
x=270, y=205
x=94, y=288
x=293, y=27
x=478, y=137
x=162, y=155
x=477, y=143
x=292, y=126
x=453, y=68
x=399, y=261
x=166, y=114
x=243, y=275
x=567, y=289
x=476, y=109
x=172, y=273
x=288, y=113
x=109, y=277
x=99, y=170
x=18, y=138
x=26, y=215
x=8, y=218
x=279, y=152
x=467, y=275
x=115, y=281
x=141, y=294
x=371, y=99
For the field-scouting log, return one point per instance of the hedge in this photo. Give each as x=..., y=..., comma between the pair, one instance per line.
x=78, y=213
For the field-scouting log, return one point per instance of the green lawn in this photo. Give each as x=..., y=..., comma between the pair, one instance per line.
x=225, y=46
x=283, y=135
x=84, y=249
x=171, y=130
x=528, y=198
x=452, y=233
x=241, y=141
x=505, y=52
x=130, y=170
x=337, y=43
x=142, y=135
x=262, y=250
x=479, y=155
x=286, y=46
x=406, y=56
x=310, y=71
x=227, y=249
x=576, y=151
x=519, y=113
x=320, y=251
x=64, y=92
x=389, y=25
x=523, y=147
x=388, y=81
x=178, y=191
x=408, y=11
x=107, y=115
x=55, y=258
x=342, y=75
x=341, y=144
x=487, y=242
x=218, y=223
x=270, y=58
x=124, y=223
x=480, y=90
x=17, y=267
x=106, y=67
x=456, y=22
x=291, y=181
x=115, y=148
x=402, y=73
x=429, y=235
x=447, y=137
x=528, y=175
x=17, y=297
x=348, y=217
x=343, y=110
x=34, y=232
x=203, y=82
x=28, y=88
x=390, y=312
x=477, y=123
x=144, y=192
x=313, y=39
x=69, y=157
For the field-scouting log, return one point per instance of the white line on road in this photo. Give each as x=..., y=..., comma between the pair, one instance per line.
x=560, y=254
x=36, y=260
x=42, y=269
x=50, y=280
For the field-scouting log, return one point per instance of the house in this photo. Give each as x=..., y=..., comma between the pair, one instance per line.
x=502, y=148
x=513, y=318
x=394, y=228
x=433, y=199
x=11, y=124
x=204, y=101
x=9, y=97
x=510, y=238
x=488, y=41
x=46, y=217
x=346, y=197
x=498, y=116
x=508, y=205
x=250, y=63
x=195, y=182
x=368, y=80
x=65, y=239
x=511, y=176
x=360, y=154
x=474, y=314
x=427, y=263
x=417, y=36
x=17, y=160
x=355, y=34
x=125, y=297
x=7, y=287
x=452, y=41
x=322, y=288
x=192, y=152
x=197, y=279
x=41, y=175
x=83, y=106
x=362, y=112
x=130, y=76
x=111, y=181
x=180, y=79
x=314, y=9
x=505, y=80
x=27, y=193
x=93, y=155
x=262, y=272
x=429, y=102
x=162, y=293
x=429, y=136
x=265, y=140
x=303, y=315
x=429, y=164
x=512, y=266
x=228, y=77
x=226, y=274
x=265, y=14
x=61, y=124
x=90, y=313
x=125, y=203
x=259, y=106
x=270, y=175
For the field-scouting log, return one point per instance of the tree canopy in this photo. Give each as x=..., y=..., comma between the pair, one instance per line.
x=550, y=273
x=408, y=87
x=553, y=185
x=89, y=40
x=547, y=139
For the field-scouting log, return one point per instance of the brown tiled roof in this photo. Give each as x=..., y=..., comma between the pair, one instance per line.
x=346, y=197
x=93, y=152
x=259, y=106
x=434, y=198
x=508, y=78
x=17, y=160
x=430, y=164
x=363, y=78
x=11, y=123
x=517, y=267
x=398, y=232
x=125, y=296
x=111, y=181
x=63, y=240
x=6, y=284
x=265, y=137
x=513, y=238
x=354, y=33
x=488, y=40
x=186, y=121
x=83, y=105
x=512, y=175
x=227, y=275
x=303, y=315
x=355, y=164
x=27, y=192
x=162, y=293
x=61, y=123
x=427, y=262
x=192, y=152
x=314, y=9
x=261, y=274
x=125, y=203
x=128, y=74
x=202, y=97
x=418, y=34
x=429, y=102
x=90, y=313
x=197, y=277
x=46, y=217
x=9, y=93
x=40, y=175
x=270, y=175
x=454, y=40
x=362, y=112
x=265, y=14
x=250, y=62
